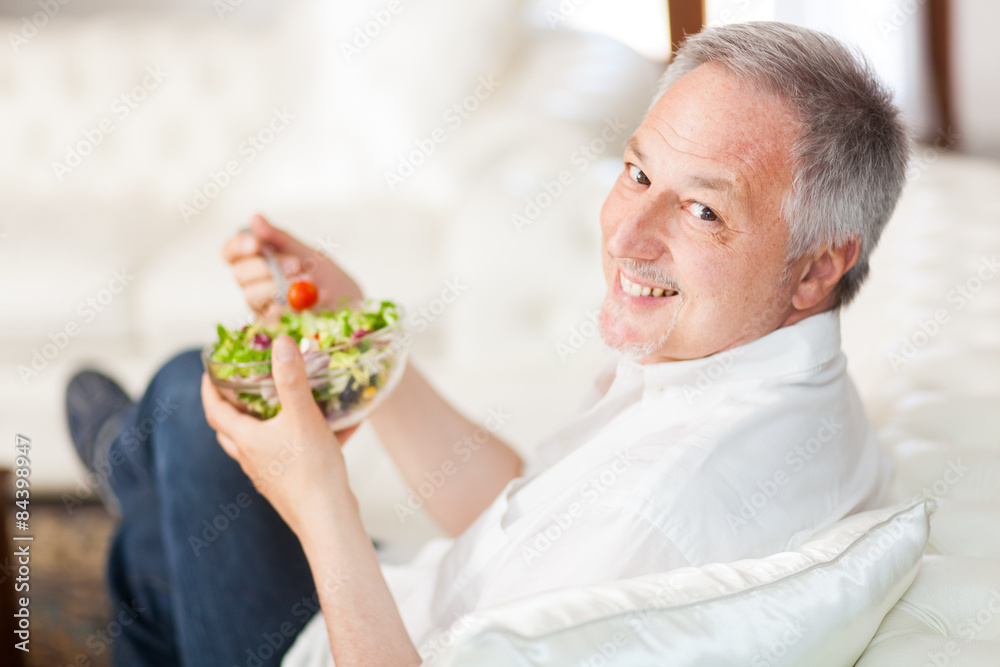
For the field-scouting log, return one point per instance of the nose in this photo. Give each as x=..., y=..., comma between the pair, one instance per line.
x=636, y=231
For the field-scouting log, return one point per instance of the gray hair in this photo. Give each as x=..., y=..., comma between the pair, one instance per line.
x=853, y=148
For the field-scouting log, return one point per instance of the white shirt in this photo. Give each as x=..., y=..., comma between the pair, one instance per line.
x=741, y=454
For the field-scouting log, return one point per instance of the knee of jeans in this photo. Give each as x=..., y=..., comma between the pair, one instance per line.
x=181, y=374
x=176, y=389
x=186, y=365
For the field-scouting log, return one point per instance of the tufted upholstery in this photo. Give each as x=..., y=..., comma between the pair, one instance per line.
x=940, y=408
x=950, y=615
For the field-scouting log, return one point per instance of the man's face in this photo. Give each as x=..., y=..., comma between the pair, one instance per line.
x=696, y=212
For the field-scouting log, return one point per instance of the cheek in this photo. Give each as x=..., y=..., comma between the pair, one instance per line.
x=717, y=279
x=710, y=269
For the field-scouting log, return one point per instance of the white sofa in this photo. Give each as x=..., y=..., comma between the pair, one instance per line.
x=529, y=291
x=935, y=394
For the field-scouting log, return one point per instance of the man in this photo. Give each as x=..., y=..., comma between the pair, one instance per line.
x=748, y=204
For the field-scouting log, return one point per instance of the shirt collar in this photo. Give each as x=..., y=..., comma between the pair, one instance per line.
x=786, y=351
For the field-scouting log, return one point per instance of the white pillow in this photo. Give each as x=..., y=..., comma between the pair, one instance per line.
x=819, y=605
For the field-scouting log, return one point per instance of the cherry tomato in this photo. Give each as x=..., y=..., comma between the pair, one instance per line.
x=302, y=295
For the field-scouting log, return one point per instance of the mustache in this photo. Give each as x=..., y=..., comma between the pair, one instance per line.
x=649, y=272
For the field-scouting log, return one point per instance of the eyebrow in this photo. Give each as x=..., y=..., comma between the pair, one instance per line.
x=723, y=185
x=716, y=183
x=633, y=145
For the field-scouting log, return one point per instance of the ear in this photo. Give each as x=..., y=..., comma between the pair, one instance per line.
x=822, y=273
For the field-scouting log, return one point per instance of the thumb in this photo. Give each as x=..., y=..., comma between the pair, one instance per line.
x=282, y=241
x=291, y=382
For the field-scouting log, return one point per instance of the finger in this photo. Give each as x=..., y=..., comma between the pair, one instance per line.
x=344, y=434
x=241, y=245
x=289, y=370
x=207, y=399
x=273, y=312
x=228, y=446
x=220, y=414
x=280, y=239
x=251, y=269
x=260, y=295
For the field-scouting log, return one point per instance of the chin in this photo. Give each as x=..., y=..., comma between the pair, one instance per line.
x=619, y=337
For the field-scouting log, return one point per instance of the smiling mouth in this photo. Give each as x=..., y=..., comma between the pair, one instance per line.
x=633, y=289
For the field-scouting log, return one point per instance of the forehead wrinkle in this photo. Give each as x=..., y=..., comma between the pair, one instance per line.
x=742, y=148
x=734, y=185
x=744, y=143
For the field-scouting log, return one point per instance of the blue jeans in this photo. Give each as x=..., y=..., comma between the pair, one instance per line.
x=202, y=570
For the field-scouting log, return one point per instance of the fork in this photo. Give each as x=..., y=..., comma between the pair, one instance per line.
x=267, y=252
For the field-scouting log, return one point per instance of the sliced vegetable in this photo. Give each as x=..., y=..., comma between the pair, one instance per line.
x=330, y=340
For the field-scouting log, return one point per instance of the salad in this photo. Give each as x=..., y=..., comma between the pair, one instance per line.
x=350, y=355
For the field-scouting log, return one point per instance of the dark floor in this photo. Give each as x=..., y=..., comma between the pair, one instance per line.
x=70, y=613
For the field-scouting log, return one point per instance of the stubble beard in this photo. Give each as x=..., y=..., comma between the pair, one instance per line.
x=637, y=351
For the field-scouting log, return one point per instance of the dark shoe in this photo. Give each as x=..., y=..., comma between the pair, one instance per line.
x=95, y=407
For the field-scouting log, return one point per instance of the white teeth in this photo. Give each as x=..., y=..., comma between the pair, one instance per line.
x=638, y=290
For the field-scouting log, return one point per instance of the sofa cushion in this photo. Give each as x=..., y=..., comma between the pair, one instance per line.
x=949, y=616
x=971, y=422
x=966, y=528
x=818, y=605
x=944, y=472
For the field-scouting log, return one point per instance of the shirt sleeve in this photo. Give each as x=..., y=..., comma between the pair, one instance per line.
x=600, y=544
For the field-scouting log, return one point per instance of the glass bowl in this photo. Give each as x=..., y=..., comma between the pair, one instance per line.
x=346, y=395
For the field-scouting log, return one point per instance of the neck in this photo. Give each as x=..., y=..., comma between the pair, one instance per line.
x=829, y=303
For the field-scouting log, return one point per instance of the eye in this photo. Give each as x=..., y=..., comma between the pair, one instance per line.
x=703, y=212
x=636, y=174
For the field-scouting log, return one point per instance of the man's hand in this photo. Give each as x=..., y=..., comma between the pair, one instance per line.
x=296, y=259
x=293, y=459
x=417, y=426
